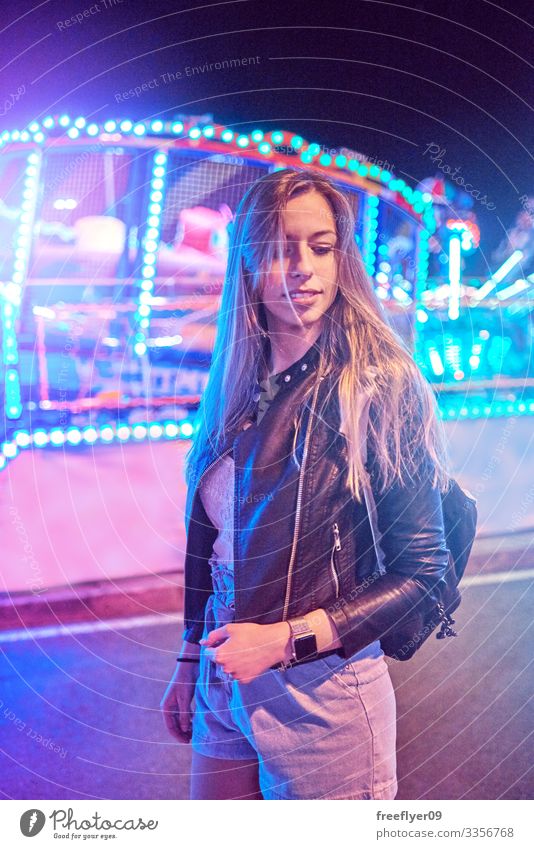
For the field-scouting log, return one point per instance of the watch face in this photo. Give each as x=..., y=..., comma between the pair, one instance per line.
x=305, y=646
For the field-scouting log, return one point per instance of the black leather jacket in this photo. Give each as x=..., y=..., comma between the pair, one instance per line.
x=301, y=541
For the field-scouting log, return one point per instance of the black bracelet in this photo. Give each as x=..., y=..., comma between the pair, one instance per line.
x=188, y=660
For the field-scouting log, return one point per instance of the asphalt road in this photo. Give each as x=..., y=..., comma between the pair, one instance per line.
x=79, y=712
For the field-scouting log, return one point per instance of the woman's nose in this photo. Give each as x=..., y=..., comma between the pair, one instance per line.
x=300, y=264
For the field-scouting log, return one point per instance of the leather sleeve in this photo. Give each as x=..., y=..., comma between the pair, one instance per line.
x=415, y=556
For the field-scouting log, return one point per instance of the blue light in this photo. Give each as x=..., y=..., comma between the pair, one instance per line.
x=139, y=130
x=74, y=436
x=156, y=126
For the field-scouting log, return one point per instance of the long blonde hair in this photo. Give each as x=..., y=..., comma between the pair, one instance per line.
x=358, y=345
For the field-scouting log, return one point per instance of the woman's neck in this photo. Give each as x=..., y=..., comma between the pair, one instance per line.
x=287, y=348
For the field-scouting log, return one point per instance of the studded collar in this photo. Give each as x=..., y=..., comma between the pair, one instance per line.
x=296, y=371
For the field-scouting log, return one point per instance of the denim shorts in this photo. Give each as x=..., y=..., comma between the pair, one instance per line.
x=325, y=729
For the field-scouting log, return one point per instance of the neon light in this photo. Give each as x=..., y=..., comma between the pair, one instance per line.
x=436, y=362
x=370, y=233
x=499, y=275
x=11, y=293
x=514, y=289
x=150, y=246
x=455, y=260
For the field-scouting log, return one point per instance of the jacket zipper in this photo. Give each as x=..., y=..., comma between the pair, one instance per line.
x=335, y=547
x=298, y=507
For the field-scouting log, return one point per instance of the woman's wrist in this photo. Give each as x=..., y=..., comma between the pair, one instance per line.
x=281, y=641
x=189, y=651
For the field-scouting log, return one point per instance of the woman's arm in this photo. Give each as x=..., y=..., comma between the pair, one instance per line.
x=415, y=557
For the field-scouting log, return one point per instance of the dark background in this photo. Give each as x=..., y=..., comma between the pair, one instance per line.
x=383, y=78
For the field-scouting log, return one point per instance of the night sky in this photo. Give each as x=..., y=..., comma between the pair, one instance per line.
x=386, y=79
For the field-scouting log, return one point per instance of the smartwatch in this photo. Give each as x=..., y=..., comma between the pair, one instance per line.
x=303, y=640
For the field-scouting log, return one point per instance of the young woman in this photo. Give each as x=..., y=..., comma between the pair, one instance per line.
x=311, y=397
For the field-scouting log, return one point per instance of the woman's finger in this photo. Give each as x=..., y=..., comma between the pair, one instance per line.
x=178, y=716
x=215, y=636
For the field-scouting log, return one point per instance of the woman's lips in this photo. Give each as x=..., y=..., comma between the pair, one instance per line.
x=303, y=297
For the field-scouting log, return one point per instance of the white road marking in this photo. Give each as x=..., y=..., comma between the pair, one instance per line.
x=89, y=627
x=498, y=578
x=171, y=618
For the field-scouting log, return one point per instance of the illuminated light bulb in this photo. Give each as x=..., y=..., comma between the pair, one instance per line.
x=90, y=435
x=57, y=437
x=22, y=439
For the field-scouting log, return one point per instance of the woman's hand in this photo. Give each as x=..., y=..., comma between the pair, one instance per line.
x=245, y=650
x=176, y=702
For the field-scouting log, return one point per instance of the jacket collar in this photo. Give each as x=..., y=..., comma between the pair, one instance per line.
x=299, y=369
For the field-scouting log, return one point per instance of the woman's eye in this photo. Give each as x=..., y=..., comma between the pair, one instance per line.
x=320, y=250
